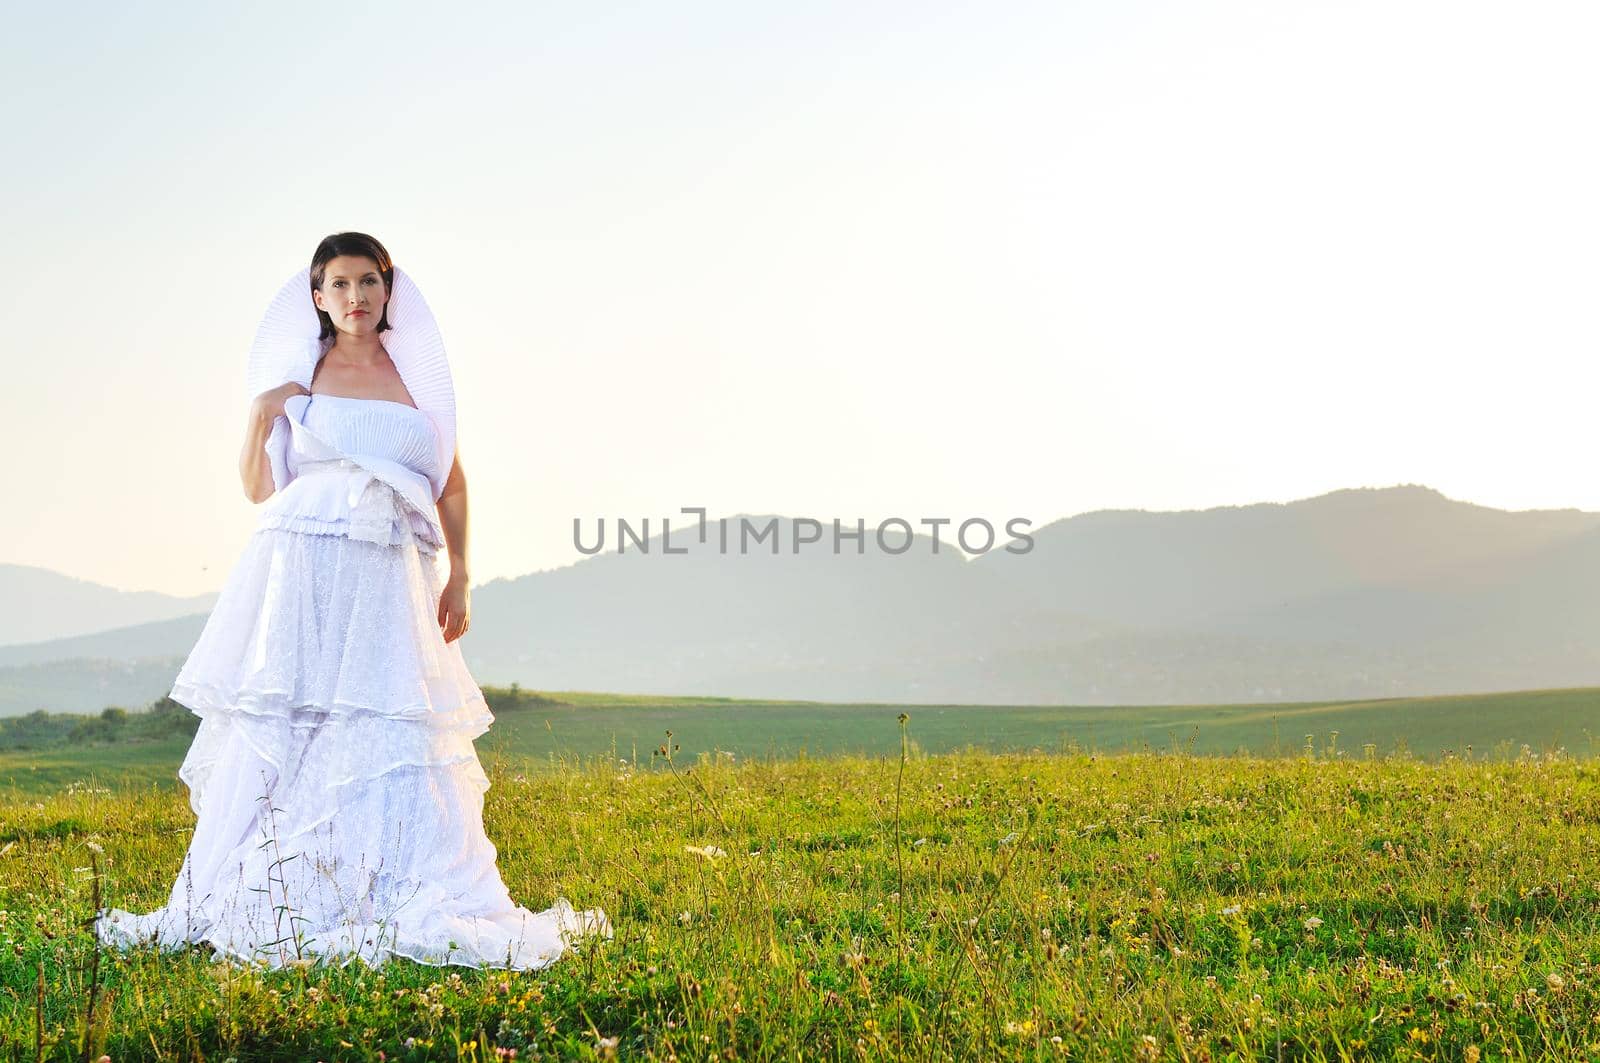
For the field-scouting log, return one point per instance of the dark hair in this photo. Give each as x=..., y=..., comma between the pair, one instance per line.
x=351, y=244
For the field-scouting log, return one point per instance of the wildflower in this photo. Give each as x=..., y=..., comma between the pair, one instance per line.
x=1313, y=922
x=710, y=852
x=1010, y=838
x=94, y=847
x=1555, y=982
x=1232, y=909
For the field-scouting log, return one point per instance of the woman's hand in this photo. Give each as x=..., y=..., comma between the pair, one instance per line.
x=269, y=404
x=255, y=467
x=453, y=606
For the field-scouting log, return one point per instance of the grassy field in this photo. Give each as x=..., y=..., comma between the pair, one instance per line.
x=1496, y=725
x=535, y=730
x=1324, y=904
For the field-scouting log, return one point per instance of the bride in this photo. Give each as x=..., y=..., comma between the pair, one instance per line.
x=338, y=795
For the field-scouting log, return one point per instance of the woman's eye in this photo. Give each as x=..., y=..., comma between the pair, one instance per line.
x=337, y=283
x=372, y=280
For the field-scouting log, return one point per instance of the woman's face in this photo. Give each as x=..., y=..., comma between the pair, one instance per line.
x=352, y=294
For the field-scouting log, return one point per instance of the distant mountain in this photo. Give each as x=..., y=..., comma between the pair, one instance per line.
x=1181, y=568
x=47, y=605
x=810, y=625
x=1352, y=594
x=161, y=638
x=85, y=684
x=130, y=666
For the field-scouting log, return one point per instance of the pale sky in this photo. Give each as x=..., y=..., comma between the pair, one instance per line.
x=829, y=260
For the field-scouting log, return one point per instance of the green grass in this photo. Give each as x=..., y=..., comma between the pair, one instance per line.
x=956, y=906
x=41, y=753
x=1427, y=727
x=1321, y=905
x=24, y=775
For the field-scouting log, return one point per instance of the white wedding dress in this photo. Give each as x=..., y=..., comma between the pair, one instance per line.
x=338, y=793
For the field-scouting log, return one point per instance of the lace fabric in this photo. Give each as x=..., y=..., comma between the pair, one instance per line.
x=338, y=794
x=327, y=624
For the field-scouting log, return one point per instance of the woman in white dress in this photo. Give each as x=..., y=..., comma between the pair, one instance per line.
x=338, y=795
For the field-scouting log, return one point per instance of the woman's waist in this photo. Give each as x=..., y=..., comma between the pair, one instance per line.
x=393, y=470
x=381, y=504
x=395, y=533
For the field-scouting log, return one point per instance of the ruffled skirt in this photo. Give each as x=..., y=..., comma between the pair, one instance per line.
x=338, y=795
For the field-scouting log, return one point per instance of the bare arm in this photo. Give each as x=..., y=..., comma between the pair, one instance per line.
x=454, y=607
x=255, y=468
